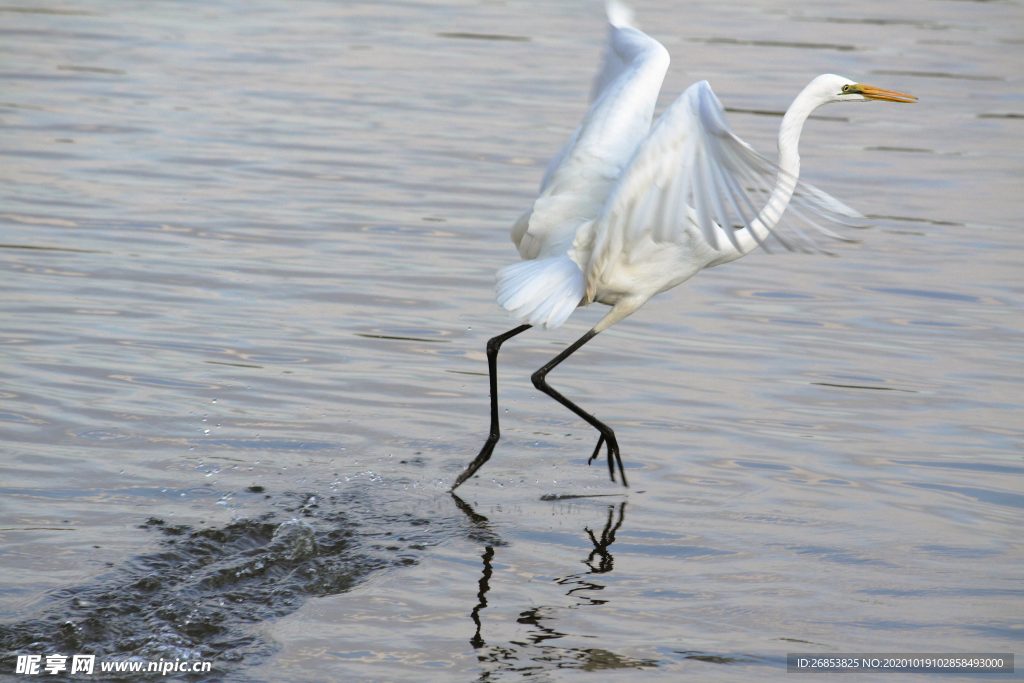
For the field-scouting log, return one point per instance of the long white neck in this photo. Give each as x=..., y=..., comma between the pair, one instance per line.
x=789, y=155
x=809, y=99
x=789, y=132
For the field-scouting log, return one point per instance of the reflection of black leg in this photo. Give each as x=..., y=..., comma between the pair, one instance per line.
x=493, y=345
x=474, y=516
x=607, y=435
x=477, y=640
x=607, y=538
x=480, y=530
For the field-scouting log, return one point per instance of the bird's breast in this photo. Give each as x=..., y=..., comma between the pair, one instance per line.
x=649, y=269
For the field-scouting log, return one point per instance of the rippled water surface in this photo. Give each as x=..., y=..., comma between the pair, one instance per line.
x=248, y=254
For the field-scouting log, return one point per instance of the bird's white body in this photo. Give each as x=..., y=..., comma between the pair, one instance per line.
x=627, y=210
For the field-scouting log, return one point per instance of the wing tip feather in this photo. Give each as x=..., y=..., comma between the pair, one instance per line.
x=619, y=14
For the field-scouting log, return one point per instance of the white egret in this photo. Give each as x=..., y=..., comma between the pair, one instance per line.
x=628, y=210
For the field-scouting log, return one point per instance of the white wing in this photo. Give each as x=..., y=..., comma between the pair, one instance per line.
x=692, y=170
x=612, y=66
x=582, y=174
x=619, y=16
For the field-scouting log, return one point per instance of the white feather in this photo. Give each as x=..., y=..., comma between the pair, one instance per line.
x=541, y=292
x=580, y=176
x=691, y=175
x=642, y=209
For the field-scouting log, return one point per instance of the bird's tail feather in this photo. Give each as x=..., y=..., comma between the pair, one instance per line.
x=541, y=292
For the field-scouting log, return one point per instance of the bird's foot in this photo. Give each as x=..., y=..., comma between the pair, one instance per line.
x=484, y=456
x=597, y=451
x=614, y=457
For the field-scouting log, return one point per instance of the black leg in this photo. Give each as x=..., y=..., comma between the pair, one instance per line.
x=607, y=435
x=493, y=345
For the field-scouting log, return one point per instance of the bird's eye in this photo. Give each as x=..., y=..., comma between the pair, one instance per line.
x=846, y=88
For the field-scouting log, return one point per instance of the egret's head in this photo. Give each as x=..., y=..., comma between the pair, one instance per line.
x=857, y=92
x=832, y=88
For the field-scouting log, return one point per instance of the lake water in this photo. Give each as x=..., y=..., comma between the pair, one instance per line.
x=248, y=254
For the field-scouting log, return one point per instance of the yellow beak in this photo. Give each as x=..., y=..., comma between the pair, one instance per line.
x=873, y=93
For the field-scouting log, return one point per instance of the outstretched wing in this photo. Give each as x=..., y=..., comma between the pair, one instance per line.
x=613, y=64
x=693, y=171
x=582, y=174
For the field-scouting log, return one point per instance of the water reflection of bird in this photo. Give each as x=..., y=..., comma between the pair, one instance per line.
x=480, y=530
x=628, y=210
x=607, y=562
x=581, y=586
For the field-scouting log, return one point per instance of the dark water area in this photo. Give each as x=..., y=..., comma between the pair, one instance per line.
x=199, y=594
x=247, y=256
